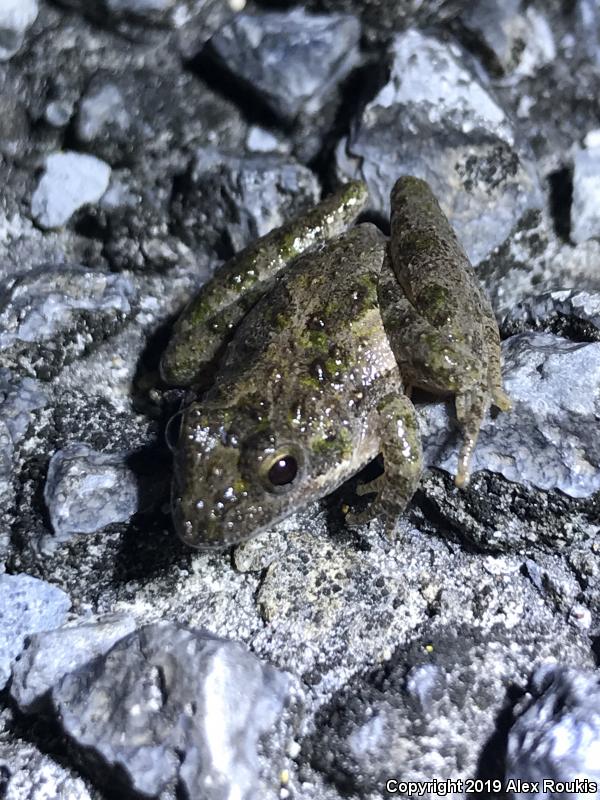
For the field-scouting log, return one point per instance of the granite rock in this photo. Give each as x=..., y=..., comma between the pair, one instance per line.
x=139, y=114
x=568, y=312
x=382, y=16
x=85, y=491
x=556, y=731
x=437, y=119
x=55, y=312
x=516, y=40
x=27, y=605
x=191, y=711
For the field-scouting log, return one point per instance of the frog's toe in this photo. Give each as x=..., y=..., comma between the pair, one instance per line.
x=471, y=407
x=501, y=400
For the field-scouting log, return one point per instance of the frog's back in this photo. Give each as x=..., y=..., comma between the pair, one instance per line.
x=320, y=322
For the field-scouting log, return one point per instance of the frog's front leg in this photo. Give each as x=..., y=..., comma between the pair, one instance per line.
x=225, y=299
x=398, y=432
x=451, y=327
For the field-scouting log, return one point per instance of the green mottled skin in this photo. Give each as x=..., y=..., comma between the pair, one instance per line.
x=319, y=359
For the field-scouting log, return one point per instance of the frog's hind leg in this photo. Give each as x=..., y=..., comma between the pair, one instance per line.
x=224, y=300
x=494, y=376
x=427, y=357
x=398, y=432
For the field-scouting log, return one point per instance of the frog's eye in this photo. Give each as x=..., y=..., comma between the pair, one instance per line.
x=280, y=470
x=283, y=470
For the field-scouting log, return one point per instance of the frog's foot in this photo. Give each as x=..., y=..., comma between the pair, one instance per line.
x=400, y=439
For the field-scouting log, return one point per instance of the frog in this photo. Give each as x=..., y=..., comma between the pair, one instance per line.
x=299, y=356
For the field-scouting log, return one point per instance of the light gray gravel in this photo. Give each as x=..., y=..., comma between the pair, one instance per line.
x=15, y=18
x=85, y=490
x=27, y=605
x=70, y=181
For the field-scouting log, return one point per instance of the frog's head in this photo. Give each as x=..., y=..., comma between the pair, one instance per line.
x=233, y=477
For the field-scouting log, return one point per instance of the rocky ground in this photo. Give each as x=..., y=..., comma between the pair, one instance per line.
x=142, y=142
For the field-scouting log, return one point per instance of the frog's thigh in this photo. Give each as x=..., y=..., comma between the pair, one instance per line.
x=398, y=432
x=425, y=355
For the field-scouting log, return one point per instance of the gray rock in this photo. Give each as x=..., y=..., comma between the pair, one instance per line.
x=70, y=181
x=550, y=439
x=56, y=310
x=517, y=40
x=15, y=18
x=47, y=657
x=126, y=117
x=85, y=491
x=585, y=209
x=28, y=774
x=436, y=119
x=140, y=7
x=18, y=398
x=103, y=106
x=587, y=26
x=294, y=61
x=27, y=605
x=58, y=113
x=566, y=308
x=191, y=710
x=383, y=16
x=263, y=190
x=431, y=710
x=556, y=733
x=133, y=219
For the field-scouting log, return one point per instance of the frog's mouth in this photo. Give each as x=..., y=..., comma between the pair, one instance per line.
x=205, y=532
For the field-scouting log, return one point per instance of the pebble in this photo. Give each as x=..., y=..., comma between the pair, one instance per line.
x=70, y=181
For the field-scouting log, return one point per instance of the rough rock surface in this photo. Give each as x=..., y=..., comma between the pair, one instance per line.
x=27, y=605
x=585, y=213
x=436, y=119
x=556, y=733
x=447, y=686
x=236, y=199
x=283, y=57
x=70, y=181
x=438, y=632
x=85, y=491
x=191, y=709
x=550, y=439
x=16, y=16
x=27, y=774
x=49, y=656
